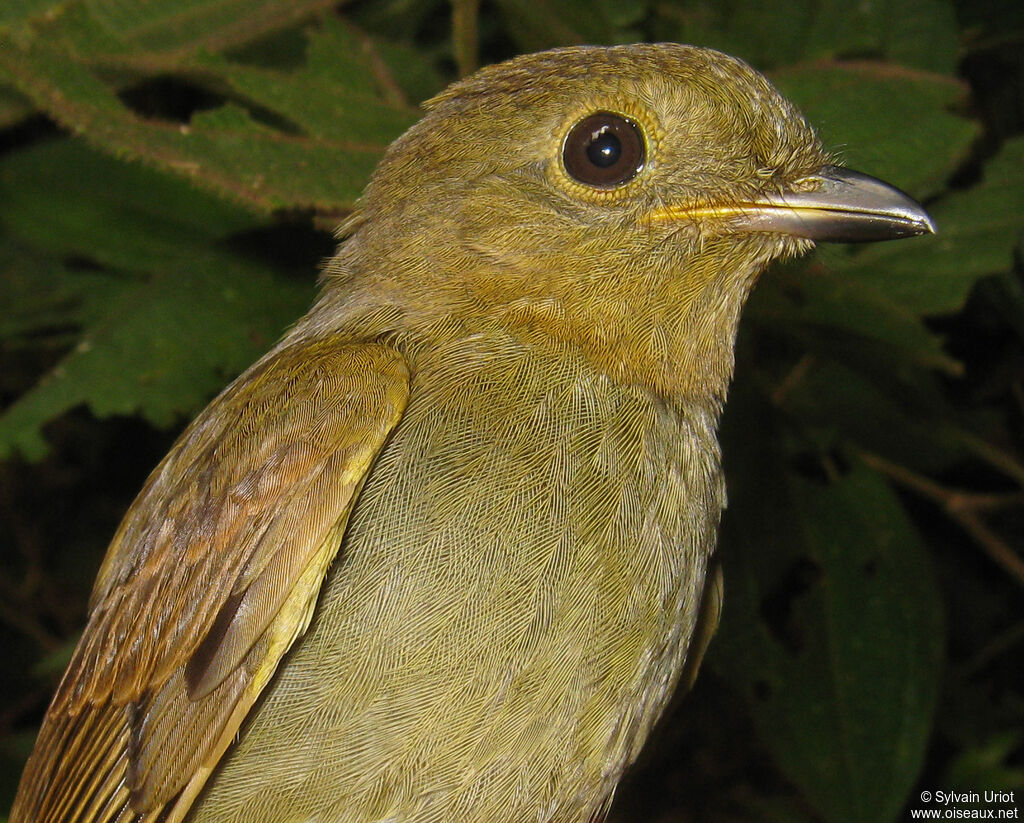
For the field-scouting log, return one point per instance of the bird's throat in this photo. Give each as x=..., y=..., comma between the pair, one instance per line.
x=673, y=337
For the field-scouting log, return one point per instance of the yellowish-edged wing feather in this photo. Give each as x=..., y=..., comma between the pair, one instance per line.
x=211, y=577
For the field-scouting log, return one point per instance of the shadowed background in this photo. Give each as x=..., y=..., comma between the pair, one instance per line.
x=873, y=440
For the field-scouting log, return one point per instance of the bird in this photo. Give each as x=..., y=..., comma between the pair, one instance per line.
x=448, y=549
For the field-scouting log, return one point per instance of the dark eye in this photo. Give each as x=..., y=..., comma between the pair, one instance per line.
x=603, y=150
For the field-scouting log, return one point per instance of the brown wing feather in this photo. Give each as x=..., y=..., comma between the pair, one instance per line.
x=212, y=575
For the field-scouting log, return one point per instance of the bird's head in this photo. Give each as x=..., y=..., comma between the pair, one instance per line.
x=619, y=202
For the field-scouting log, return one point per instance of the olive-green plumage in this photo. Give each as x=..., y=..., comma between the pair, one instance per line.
x=445, y=552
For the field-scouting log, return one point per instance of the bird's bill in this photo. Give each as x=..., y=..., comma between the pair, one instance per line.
x=835, y=205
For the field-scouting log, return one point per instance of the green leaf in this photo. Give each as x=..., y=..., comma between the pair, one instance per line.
x=150, y=36
x=978, y=230
x=225, y=150
x=539, y=24
x=775, y=34
x=162, y=347
x=42, y=294
x=885, y=120
x=121, y=215
x=165, y=315
x=20, y=11
x=832, y=627
x=989, y=765
x=820, y=304
x=336, y=97
x=13, y=107
x=927, y=36
x=309, y=142
x=876, y=399
x=103, y=30
x=406, y=21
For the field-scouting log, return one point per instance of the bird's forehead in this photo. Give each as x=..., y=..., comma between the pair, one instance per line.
x=661, y=75
x=697, y=94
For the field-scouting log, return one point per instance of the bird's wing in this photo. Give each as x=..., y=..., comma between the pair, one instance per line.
x=710, y=610
x=212, y=575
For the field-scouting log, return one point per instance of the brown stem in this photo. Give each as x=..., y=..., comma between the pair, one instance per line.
x=792, y=379
x=464, y=34
x=963, y=508
x=389, y=86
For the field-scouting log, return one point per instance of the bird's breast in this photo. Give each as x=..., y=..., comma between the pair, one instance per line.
x=509, y=611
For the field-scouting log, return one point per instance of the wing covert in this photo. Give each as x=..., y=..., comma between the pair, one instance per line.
x=212, y=575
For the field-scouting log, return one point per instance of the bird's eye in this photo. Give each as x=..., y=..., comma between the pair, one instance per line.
x=603, y=150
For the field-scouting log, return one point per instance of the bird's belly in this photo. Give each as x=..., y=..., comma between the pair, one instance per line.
x=507, y=616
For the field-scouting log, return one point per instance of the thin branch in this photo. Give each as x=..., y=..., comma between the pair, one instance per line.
x=998, y=458
x=963, y=508
x=994, y=649
x=465, y=34
x=382, y=73
x=21, y=620
x=793, y=379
